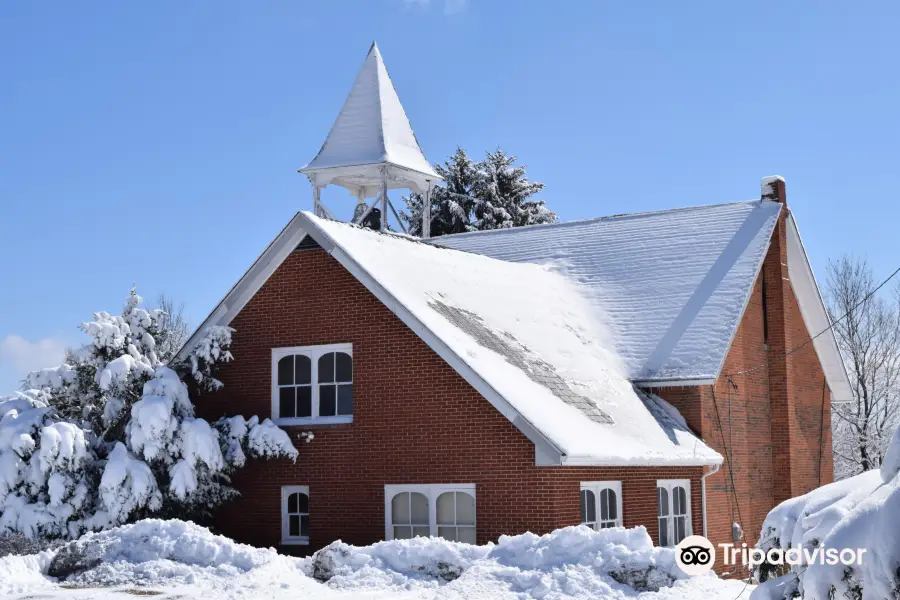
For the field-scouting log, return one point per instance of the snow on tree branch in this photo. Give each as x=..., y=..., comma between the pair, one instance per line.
x=211, y=350
x=110, y=436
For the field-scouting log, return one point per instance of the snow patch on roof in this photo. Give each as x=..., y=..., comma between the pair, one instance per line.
x=673, y=283
x=565, y=371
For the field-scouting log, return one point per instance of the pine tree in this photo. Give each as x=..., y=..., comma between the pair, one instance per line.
x=452, y=204
x=491, y=194
x=504, y=193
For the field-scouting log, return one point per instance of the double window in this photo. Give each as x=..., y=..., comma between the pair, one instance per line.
x=601, y=504
x=446, y=511
x=312, y=384
x=674, y=510
x=295, y=514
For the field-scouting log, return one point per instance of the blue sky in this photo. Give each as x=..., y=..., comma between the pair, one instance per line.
x=158, y=143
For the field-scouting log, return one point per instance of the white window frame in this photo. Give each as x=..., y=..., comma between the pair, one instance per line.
x=669, y=485
x=314, y=353
x=595, y=487
x=430, y=491
x=286, y=538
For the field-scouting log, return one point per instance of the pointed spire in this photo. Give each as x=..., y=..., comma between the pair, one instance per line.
x=372, y=129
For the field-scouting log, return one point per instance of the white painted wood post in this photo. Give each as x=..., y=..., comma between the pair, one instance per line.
x=426, y=213
x=316, y=190
x=384, y=199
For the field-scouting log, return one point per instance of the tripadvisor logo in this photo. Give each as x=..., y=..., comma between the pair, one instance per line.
x=695, y=555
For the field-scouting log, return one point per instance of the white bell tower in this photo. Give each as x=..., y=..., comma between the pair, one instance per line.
x=371, y=149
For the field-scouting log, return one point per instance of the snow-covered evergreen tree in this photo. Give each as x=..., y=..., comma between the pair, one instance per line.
x=110, y=436
x=504, y=193
x=491, y=194
x=452, y=204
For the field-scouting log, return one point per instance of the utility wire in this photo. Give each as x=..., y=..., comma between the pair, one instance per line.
x=827, y=329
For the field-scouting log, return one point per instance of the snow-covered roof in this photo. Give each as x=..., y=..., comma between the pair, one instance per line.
x=526, y=337
x=674, y=283
x=372, y=130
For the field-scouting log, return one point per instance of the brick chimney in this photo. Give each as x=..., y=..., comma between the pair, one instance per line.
x=786, y=456
x=772, y=188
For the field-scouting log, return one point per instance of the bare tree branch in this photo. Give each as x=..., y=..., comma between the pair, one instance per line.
x=869, y=340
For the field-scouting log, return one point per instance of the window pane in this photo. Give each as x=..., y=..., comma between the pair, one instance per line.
x=294, y=525
x=419, y=513
x=344, y=366
x=590, y=506
x=663, y=502
x=422, y=531
x=466, y=534
x=448, y=533
x=679, y=498
x=402, y=533
x=304, y=525
x=583, y=496
x=607, y=525
x=679, y=529
x=302, y=369
x=345, y=400
x=604, y=505
x=304, y=401
x=292, y=503
x=327, y=401
x=286, y=406
x=613, y=504
x=286, y=370
x=663, y=532
x=302, y=503
x=446, y=512
x=400, y=509
x=465, y=509
x=326, y=368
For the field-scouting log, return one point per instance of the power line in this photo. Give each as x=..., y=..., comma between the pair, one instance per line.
x=827, y=329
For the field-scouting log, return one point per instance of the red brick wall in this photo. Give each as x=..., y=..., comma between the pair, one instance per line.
x=415, y=420
x=774, y=419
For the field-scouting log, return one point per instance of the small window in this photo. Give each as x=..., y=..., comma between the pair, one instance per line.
x=673, y=510
x=312, y=384
x=295, y=514
x=601, y=504
x=446, y=511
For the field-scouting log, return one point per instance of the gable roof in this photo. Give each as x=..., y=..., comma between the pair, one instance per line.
x=371, y=129
x=674, y=283
x=522, y=335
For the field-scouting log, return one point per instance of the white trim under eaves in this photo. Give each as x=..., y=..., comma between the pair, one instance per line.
x=812, y=309
x=545, y=452
x=588, y=461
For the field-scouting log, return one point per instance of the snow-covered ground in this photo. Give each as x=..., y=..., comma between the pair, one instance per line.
x=174, y=559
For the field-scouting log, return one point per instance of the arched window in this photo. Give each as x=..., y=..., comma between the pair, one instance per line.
x=445, y=510
x=335, y=384
x=456, y=517
x=294, y=386
x=409, y=515
x=588, y=508
x=601, y=504
x=295, y=514
x=674, y=510
x=312, y=384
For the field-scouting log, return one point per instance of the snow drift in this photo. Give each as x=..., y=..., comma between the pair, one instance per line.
x=569, y=561
x=572, y=562
x=861, y=512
